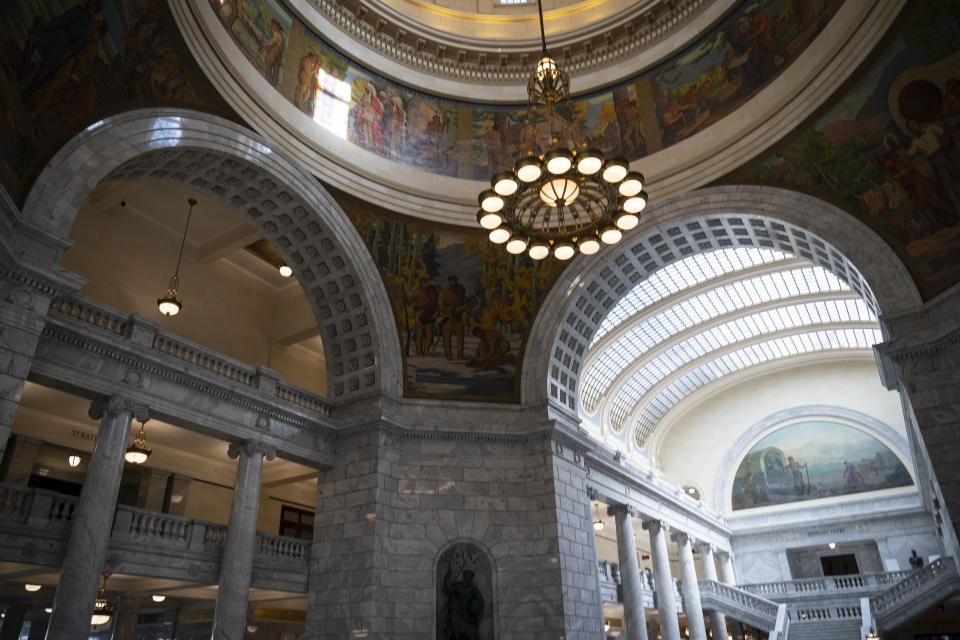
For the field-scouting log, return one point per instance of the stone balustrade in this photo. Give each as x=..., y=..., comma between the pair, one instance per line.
x=862, y=584
x=77, y=311
x=915, y=592
x=738, y=604
x=142, y=542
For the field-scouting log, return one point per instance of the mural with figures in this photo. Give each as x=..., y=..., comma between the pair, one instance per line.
x=64, y=64
x=673, y=101
x=888, y=150
x=815, y=459
x=463, y=306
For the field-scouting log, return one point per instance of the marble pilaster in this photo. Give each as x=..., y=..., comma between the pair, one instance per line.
x=691, y=588
x=90, y=532
x=230, y=614
x=718, y=621
x=125, y=622
x=22, y=454
x=634, y=617
x=12, y=623
x=666, y=603
x=178, y=495
x=153, y=487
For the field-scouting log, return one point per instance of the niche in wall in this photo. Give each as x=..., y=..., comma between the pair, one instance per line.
x=847, y=558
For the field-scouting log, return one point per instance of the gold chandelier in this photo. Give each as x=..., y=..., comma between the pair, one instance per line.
x=563, y=200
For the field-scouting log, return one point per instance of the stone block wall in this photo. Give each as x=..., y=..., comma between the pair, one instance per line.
x=393, y=504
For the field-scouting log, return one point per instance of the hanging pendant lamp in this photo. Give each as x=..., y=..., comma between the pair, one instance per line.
x=170, y=304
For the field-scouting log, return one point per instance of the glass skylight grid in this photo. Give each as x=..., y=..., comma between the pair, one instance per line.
x=831, y=339
x=698, y=309
x=684, y=274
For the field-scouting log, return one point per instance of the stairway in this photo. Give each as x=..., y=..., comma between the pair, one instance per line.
x=825, y=630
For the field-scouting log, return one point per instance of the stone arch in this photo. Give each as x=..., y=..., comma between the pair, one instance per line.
x=699, y=221
x=289, y=206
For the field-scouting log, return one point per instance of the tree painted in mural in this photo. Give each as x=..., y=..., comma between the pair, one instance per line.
x=888, y=149
x=463, y=307
x=811, y=460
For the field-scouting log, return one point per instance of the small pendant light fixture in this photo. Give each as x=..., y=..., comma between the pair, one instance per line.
x=138, y=452
x=170, y=304
x=598, y=523
x=103, y=609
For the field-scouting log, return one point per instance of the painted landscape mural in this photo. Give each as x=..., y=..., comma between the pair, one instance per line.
x=673, y=101
x=815, y=459
x=64, y=64
x=463, y=306
x=888, y=150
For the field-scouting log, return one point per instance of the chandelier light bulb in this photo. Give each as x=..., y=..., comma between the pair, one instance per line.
x=589, y=161
x=499, y=235
x=48, y=610
x=285, y=271
x=627, y=221
x=615, y=170
x=32, y=587
x=158, y=597
x=516, y=245
x=138, y=452
x=631, y=185
x=559, y=191
x=546, y=67
x=490, y=201
x=73, y=460
x=558, y=161
x=490, y=220
x=635, y=204
x=598, y=525
x=564, y=251
x=529, y=169
x=589, y=245
x=505, y=183
x=99, y=618
x=610, y=235
x=539, y=250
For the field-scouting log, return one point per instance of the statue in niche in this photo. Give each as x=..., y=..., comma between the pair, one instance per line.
x=464, y=576
x=916, y=562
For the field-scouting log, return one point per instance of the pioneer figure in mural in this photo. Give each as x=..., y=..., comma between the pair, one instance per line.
x=493, y=350
x=465, y=606
x=452, y=304
x=425, y=304
x=796, y=469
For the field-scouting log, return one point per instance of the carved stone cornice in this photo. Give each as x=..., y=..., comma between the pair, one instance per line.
x=251, y=448
x=413, y=45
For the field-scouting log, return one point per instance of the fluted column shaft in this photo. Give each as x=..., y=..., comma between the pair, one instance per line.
x=691, y=588
x=718, y=621
x=230, y=614
x=634, y=617
x=92, y=521
x=666, y=603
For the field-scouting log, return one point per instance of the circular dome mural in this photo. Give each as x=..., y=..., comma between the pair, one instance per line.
x=815, y=459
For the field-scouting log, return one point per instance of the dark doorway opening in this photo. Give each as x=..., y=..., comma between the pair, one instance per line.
x=839, y=565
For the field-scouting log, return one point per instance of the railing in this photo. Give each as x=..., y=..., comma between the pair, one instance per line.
x=814, y=586
x=917, y=583
x=282, y=547
x=214, y=535
x=145, y=332
x=818, y=614
x=715, y=593
x=150, y=527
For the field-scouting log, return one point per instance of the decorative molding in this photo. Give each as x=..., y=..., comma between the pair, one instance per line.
x=251, y=448
x=821, y=528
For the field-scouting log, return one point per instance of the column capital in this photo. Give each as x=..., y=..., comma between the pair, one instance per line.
x=118, y=404
x=682, y=538
x=724, y=555
x=704, y=547
x=593, y=494
x=616, y=509
x=655, y=524
x=251, y=448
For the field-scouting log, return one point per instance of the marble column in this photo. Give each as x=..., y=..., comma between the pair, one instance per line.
x=718, y=621
x=12, y=623
x=666, y=603
x=634, y=617
x=38, y=626
x=230, y=614
x=727, y=573
x=92, y=521
x=22, y=456
x=691, y=588
x=125, y=622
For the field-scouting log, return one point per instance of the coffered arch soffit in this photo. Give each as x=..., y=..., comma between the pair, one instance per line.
x=699, y=222
x=287, y=205
x=447, y=194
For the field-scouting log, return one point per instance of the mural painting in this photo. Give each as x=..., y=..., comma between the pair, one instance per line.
x=65, y=64
x=815, y=459
x=463, y=306
x=464, y=594
x=888, y=150
x=673, y=101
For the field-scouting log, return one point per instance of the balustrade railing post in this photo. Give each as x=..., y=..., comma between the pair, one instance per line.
x=38, y=512
x=267, y=380
x=121, y=523
x=142, y=330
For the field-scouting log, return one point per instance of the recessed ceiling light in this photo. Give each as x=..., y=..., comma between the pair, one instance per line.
x=285, y=271
x=832, y=545
x=32, y=587
x=158, y=597
x=48, y=610
x=73, y=460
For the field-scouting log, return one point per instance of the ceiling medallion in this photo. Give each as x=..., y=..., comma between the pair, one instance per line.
x=566, y=199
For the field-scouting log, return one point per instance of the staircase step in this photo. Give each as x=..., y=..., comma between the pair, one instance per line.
x=826, y=630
